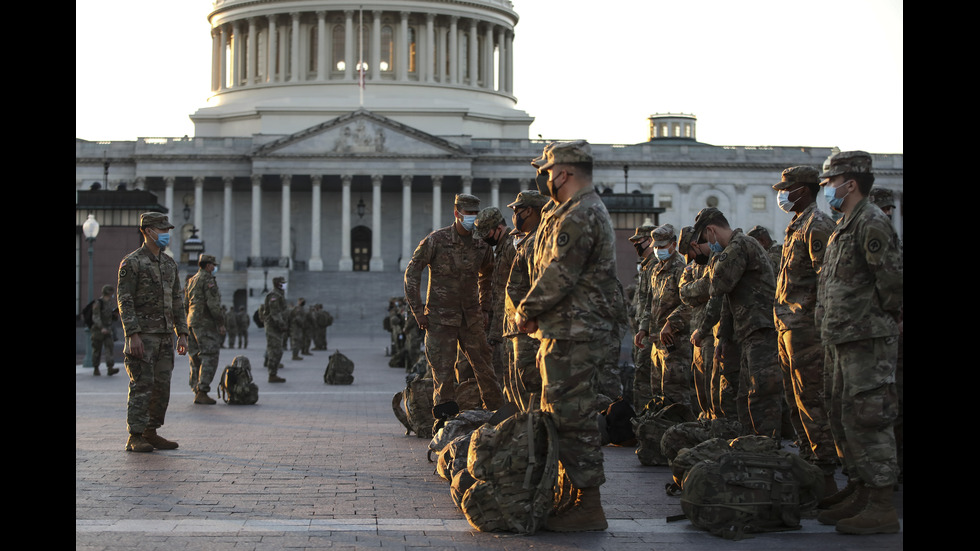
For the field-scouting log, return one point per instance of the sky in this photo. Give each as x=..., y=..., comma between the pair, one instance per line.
x=754, y=73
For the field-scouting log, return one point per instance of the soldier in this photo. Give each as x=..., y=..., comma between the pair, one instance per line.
x=523, y=377
x=774, y=249
x=102, y=337
x=323, y=320
x=231, y=326
x=297, y=327
x=151, y=310
x=572, y=309
x=274, y=318
x=670, y=357
x=243, y=324
x=643, y=375
x=491, y=228
x=859, y=307
x=457, y=307
x=800, y=350
x=742, y=279
x=206, y=320
x=308, y=328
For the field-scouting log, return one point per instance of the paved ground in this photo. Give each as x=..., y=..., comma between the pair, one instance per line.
x=313, y=466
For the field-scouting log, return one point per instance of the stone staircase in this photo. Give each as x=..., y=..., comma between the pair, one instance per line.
x=358, y=301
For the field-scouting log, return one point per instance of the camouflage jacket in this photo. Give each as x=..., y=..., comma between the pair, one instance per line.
x=518, y=282
x=665, y=278
x=243, y=321
x=504, y=253
x=102, y=315
x=204, y=302
x=148, y=294
x=742, y=277
x=231, y=321
x=574, y=291
x=859, y=291
x=460, y=272
x=796, y=282
x=275, y=311
x=641, y=296
x=695, y=293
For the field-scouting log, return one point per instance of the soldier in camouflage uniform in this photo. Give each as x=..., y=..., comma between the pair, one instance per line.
x=523, y=377
x=572, y=308
x=800, y=350
x=859, y=307
x=151, y=310
x=274, y=318
x=101, y=337
x=491, y=227
x=670, y=356
x=643, y=375
x=297, y=327
x=231, y=326
x=206, y=320
x=774, y=249
x=243, y=324
x=742, y=280
x=457, y=307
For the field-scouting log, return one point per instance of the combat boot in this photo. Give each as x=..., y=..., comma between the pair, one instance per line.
x=273, y=378
x=833, y=499
x=848, y=508
x=137, y=443
x=112, y=370
x=296, y=355
x=829, y=485
x=203, y=398
x=878, y=516
x=158, y=442
x=585, y=515
x=97, y=372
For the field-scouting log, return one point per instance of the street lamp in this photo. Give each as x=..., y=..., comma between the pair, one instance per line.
x=193, y=246
x=90, y=228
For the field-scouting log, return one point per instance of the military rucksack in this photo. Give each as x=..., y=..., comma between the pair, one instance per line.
x=616, y=424
x=461, y=424
x=87, y=314
x=745, y=492
x=514, y=465
x=259, y=317
x=650, y=426
x=340, y=370
x=413, y=406
x=236, y=385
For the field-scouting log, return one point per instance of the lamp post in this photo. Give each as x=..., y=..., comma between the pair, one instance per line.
x=90, y=228
x=194, y=247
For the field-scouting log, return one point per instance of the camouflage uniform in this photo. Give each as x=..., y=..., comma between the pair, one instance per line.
x=457, y=299
x=673, y=364
x=575, y=300
x=149, y=299
x=742, y=280
x=243, y=324
x=102, y=319
x=275, y=325
x=643, y=375
x=297, y=328
x=231, y=326
x=859, y=303
x=800, y=350
x=204, y=318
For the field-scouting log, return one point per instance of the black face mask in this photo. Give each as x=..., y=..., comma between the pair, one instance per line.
x=701, y=259
x=640, y=247
x=541, y=180
x=490, y=241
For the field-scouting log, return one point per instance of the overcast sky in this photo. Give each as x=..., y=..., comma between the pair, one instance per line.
x=756, y=73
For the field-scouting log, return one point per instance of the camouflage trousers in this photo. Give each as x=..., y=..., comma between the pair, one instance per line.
x=149, y=382
x=568, y=382
x=801, y=357
x=863, y=406
x=760, y=386
x=273, y=349
x=523, y=377
x=642, y=378
x=441, y=343
x=203, y=357
x=702, y=363
x=674, y=367
x=726, y=372
x=102, y=344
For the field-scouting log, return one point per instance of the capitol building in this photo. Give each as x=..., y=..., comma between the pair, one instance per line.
x=337, y=134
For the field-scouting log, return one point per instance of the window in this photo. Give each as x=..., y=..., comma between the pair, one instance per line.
x=313, y=51
x=339, y=55
x=711, y=201
x=666, y=201
x=387, y=49
x=758, y=202
x=412, y=50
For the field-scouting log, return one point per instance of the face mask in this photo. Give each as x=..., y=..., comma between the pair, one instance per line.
x=830, y=193
x=782, y=199
x=467, y=222
x=492, y=241
x=715, y=246
x=701, y=259
x=163, y=239
x=640, y=247
x=282, y=287
x=541, y=181
x=662, y=254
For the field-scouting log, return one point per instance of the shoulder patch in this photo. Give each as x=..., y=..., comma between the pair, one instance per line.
x=723, y=256
x=817, y=245
x=874, y=245
x=562, y=239
x=122, y=272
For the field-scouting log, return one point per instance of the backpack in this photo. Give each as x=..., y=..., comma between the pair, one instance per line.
x=460, y=425
x=236, y=385
x=340, y=370
x=745, y=492
x=650, y=427
x=413, y=406
x=87, y=314
x=615, y=424
x=514, y=465
x=258, y=316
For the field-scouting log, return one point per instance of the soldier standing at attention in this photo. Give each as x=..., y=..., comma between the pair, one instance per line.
x=800, y=350
x=491, y=228
x=151, y=311
x=572, y=308
x=297, y=327
x=643, y=376
x=742, y=280
x=101, y=337
x=243, y=323
x=859, y=306
x=274, y=318
x=231, y=325
x=206, y=320
x=457, y=306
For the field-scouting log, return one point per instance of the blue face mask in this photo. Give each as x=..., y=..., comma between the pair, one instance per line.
x=163, y=239
x=662, y=254
x=468, y=221
x=835, y=202
x=782, y=199
x=715, y=247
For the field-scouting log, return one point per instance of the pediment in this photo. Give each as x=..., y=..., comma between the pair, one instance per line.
x=360, y=133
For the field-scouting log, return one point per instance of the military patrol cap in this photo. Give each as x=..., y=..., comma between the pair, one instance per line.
x=685, y=239
x=854, y=162
x=642, y=232
x=577, y=151
x=107, y=289
x=759, y=231
x=486, y=221
x=663, y=236
x=206, y=258
x=156, y=220
x=529, y=198
x=798, y=175
x=277, y=280
x=882, y=197
x=707, y=215
x=465, y=201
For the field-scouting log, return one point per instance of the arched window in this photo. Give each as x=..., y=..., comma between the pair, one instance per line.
x=339, y=62
x=412, y=50
x=314, y=50
x=364, y=41
x=387, y=49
